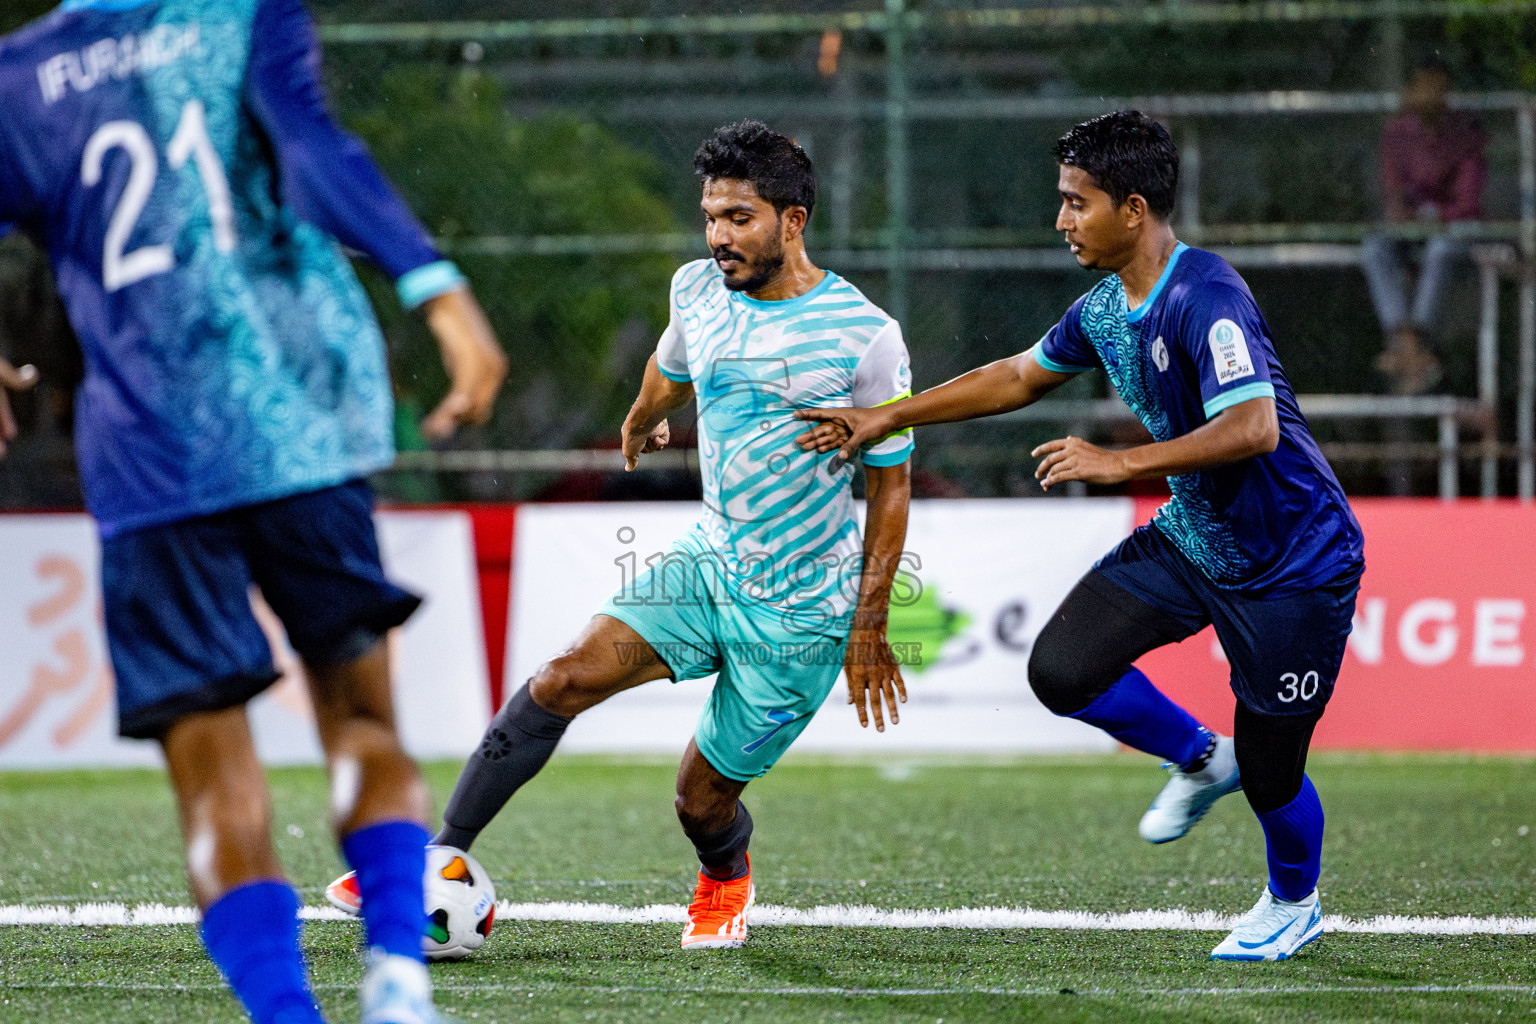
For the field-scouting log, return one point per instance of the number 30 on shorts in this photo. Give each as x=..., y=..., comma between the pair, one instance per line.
x=1304, y=687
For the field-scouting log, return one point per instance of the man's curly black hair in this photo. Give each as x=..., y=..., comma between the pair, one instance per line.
x=777, y=167
x=1125, y=153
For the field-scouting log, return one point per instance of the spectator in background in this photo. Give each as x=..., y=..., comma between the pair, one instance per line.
x=1432, y=171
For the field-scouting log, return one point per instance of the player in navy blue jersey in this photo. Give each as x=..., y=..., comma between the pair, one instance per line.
x=1257, y=540
x=176, y=160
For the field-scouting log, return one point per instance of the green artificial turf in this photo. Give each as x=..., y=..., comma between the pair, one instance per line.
x=1423, y=836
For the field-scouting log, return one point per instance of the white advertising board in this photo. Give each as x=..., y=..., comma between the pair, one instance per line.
x=56, y=700
x=990, y=572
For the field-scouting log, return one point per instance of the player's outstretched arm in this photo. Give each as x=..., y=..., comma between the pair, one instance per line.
x=871, y=668
x=645, y=428
x=1245, y=430
x=12, y=379
x=325, y=175
x=475, y=362
x=998, y=387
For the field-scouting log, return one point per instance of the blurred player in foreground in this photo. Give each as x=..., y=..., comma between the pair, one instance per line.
x=176, y=159
x=771, y=588
x=1258, y=538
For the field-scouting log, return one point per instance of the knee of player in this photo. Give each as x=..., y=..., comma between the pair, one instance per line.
x=233, y=816
x=560, y=687
x=365, y=739
x=701, y=817
x=1059, y=674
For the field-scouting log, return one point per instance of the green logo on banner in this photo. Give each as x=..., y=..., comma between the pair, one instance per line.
x=928, y=624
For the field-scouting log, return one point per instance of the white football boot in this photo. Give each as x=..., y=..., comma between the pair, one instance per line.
x=1274, y=929
x=1188, y=795
x=397, y=990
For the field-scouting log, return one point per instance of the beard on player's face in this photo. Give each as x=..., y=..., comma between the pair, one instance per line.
x=753, y=270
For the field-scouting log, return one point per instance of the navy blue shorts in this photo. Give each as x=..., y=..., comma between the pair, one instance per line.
x=1285, y=652
x=177, y=600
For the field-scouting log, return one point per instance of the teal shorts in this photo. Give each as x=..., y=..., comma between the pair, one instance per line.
x=772, y=678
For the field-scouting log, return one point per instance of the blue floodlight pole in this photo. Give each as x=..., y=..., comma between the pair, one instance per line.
x=897, y=158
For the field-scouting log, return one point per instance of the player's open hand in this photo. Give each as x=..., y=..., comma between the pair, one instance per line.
x=638, y=442
x=475, y=362
x=1072, y=458
x=12, y=379
x=873, y=677
x=843, y=429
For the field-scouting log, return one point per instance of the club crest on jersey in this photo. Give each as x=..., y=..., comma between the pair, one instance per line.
x=1229, y=351
x=1160, y=354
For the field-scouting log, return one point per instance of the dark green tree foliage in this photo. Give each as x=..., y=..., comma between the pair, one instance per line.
x=576, y=327
x=1496, y=53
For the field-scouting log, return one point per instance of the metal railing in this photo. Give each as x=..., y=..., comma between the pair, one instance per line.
x=1451, y=415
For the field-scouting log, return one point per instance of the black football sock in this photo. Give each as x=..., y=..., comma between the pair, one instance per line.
x=516, y=745
x=723, y=854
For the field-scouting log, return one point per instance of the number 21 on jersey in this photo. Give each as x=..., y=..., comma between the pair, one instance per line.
x=190, y=142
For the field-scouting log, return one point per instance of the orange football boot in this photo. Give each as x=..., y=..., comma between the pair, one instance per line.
x=717, y=917
x=343, y=894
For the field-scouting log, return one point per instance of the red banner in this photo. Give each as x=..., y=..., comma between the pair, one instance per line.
x=1442, y=655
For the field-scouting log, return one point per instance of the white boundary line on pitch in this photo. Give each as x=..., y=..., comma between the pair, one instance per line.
x=839, y=916
x=544, y=988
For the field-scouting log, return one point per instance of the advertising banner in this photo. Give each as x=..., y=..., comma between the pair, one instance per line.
x=979, y=578
x=56, y=688
x=1441, y=656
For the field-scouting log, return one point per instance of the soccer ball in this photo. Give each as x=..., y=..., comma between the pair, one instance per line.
x=461, y=904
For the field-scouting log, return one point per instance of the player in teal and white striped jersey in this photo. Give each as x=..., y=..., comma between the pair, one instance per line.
x=776, y=514
x=773, y=588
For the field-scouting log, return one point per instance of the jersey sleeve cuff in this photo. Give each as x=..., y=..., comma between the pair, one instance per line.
x=680, y=378
x=1050, y=364
x=1237, y=396
x=428, y=282
x=894, y=458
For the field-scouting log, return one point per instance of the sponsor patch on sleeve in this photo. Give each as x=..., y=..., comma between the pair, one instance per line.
x=1229, y=351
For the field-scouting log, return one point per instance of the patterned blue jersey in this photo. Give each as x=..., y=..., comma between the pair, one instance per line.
x=1273, y=525
x=783, y=525
x=176, y=160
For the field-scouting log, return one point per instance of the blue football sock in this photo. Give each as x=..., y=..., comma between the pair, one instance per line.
x=390, y=859
x=252, y=934
x=1293, y=837
x=1137, y=714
